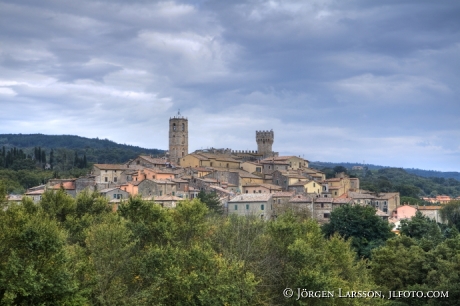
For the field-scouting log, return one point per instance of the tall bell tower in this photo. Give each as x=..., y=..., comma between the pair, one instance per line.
x=178, y=138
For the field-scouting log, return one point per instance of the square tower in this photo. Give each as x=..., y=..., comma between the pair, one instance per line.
x=264, y=142
x=178, y=138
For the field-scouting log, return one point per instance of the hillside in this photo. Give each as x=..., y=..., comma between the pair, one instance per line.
x=418, y=172
x=96, y=150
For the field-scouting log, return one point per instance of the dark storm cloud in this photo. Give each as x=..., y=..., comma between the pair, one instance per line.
x=336, y=80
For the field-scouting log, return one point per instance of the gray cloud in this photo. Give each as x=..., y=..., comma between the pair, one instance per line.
x=337, y=81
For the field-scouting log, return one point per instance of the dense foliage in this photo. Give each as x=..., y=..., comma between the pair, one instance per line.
x=360, y=223
x=418, y=172
x=410, y=186
x=96, y=150
x=67, y=251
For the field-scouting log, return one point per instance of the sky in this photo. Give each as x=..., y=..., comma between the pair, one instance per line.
x=337, y=80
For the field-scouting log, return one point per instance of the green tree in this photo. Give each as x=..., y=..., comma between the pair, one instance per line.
x=451, y=213
x=34, y=261
x=421, y=227
x=211, y=199
x=58, y=204
x=359, y=223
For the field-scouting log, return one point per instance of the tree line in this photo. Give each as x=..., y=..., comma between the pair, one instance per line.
x=65, y=251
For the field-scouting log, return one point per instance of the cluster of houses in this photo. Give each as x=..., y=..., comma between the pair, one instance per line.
x=264, y=187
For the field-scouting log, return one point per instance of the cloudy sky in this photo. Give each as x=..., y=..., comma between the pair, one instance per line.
x=373, y=81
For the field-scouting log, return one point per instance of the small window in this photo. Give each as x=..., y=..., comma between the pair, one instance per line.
x=106, y=179
x=114, y=196
x=260, y=191
x=327, y=216
x=247, y=206
x=236, y=207
x=173, y=193
x=262, y=207
x=115, y=179
x=322, y=205
x=246, y=191
x=279, y=201
x=161, y=193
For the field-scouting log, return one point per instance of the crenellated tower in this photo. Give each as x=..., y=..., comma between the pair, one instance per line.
x=264, y=142
x=178, y=138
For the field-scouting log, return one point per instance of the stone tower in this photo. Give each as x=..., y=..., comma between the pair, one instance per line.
x=264, y=142
x=178, y=138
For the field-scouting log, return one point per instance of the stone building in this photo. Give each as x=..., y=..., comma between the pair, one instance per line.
x=178, y=138
x=264, y=141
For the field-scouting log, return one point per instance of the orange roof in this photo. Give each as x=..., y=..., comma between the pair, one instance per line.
x=65, y=185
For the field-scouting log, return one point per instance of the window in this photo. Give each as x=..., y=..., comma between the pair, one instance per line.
x=106, y=179
x=115, y=179
x=314, y=184
x=260, y=191
x=262, y=207
x=236, y=207
x=254, y=191
x=246, y=191
x=335, y=192
x=279, y=201
x=322, y=205
x=114, y=196
x=174, y=126
x=173, y=193
x=161, y=193
x=327, y=216
x=183, y=126
x=247, y=206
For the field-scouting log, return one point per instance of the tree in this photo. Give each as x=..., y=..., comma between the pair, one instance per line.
x=34, y=261
x=451, y=213
x=211, y=199
x=359, y=223
x=340, y=169
x=421, y=227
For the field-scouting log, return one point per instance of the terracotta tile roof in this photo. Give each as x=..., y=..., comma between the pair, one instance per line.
x=110, y=189
x=340, y=200
x=429, y=207
x=166, y=198
x=35, y=192
x=14, y=197
x=300, y=198
x=283, y=194
x=356, y=195
x=273, y=162
x=252, y=197
x=65, y=185
x=334, y=179
x=111, y=166
x=380, y=213
x=163, y=182
x=388, y=195
x=220, y=189
x=324, y=200
x=199, y=156
x=264, y=185
x=152, y=160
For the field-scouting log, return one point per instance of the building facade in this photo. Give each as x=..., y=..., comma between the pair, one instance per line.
x=178, y=138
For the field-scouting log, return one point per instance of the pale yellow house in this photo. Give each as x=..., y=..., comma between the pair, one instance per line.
x=252, y=167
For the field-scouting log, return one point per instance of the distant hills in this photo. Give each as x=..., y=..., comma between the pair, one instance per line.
x=96, y=150
x=419, y=172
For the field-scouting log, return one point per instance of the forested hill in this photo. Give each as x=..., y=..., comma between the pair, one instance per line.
x=419, y=172
x=96, y=150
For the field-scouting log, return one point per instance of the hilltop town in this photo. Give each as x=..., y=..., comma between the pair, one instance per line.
x=247, y=182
